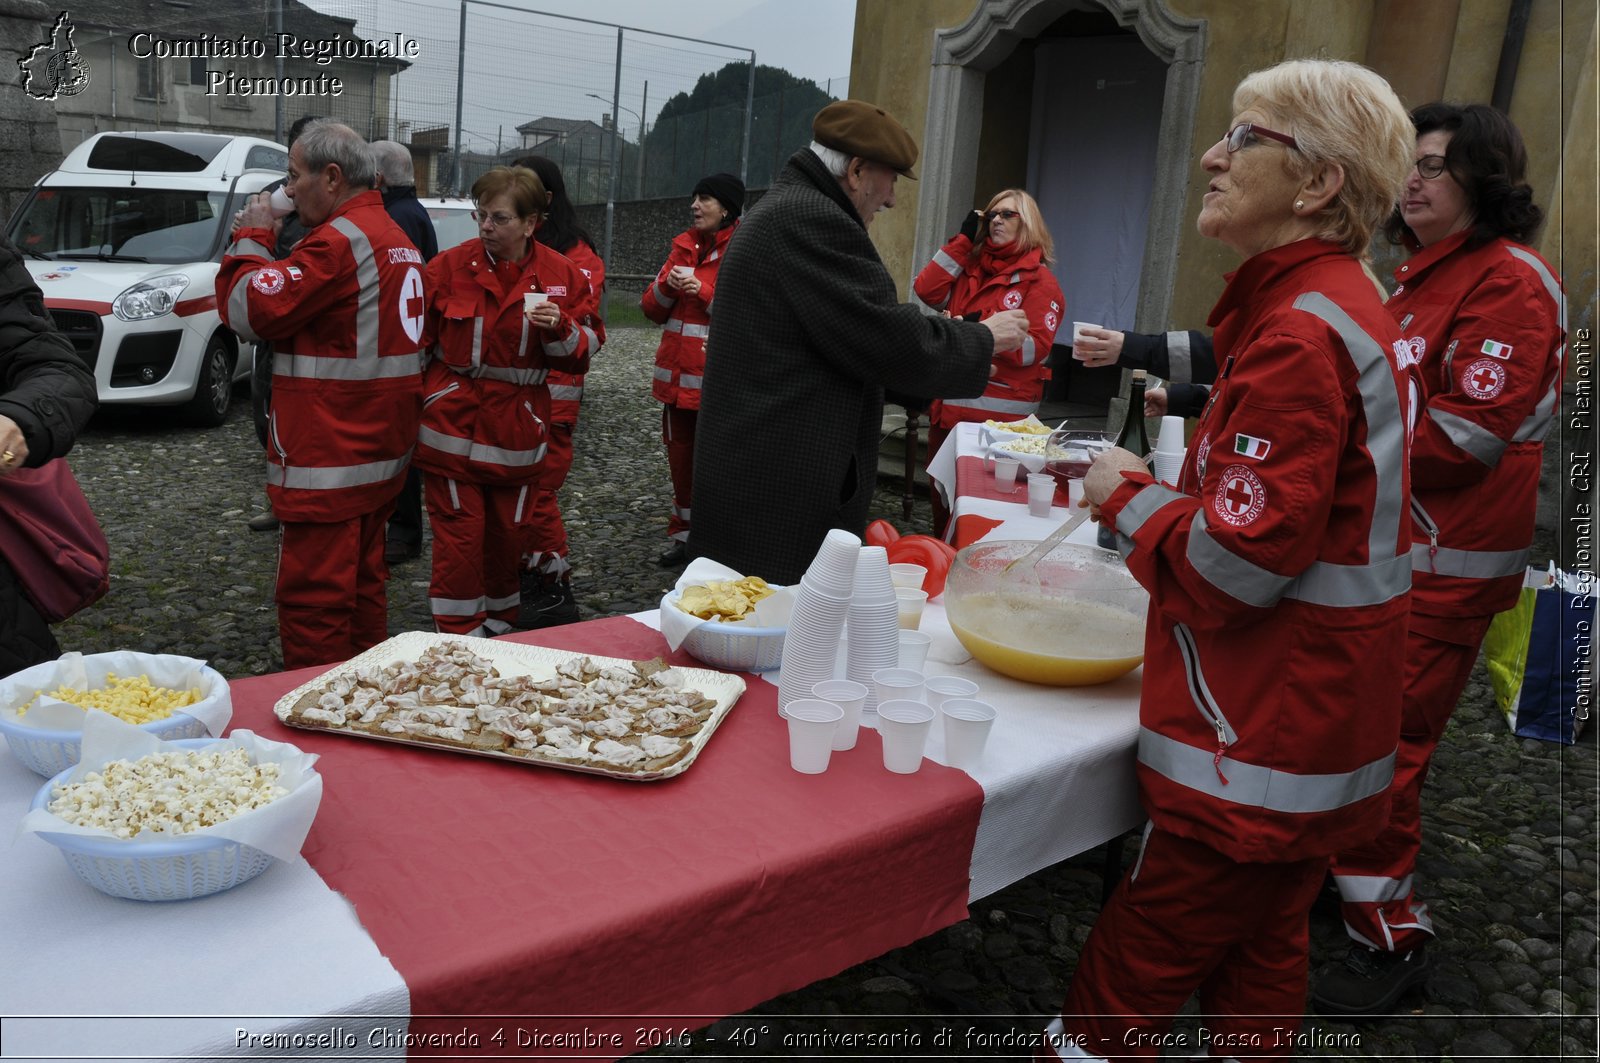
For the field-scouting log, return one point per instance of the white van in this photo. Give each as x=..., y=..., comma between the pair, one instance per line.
x=125, y=240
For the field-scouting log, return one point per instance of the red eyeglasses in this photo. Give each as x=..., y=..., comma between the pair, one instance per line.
x=1240, y=135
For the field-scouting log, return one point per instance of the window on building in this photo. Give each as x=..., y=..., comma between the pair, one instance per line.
x=149, y=79
x=197, y=71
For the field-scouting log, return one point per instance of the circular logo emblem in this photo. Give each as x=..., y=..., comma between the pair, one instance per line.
x=412, y=305
x=1484, y=379
x=1013, y=299
x=67, y=73
x=1202, y=451
x=267, y=281
x=1240, y=496
x=1051, y=321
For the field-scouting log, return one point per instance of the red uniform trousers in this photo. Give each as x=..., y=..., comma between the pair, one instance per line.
x=1187, y=917
x=478, y=533
x=1375, y=880
x=677, y=435
x=332, y=603
x=546, y=550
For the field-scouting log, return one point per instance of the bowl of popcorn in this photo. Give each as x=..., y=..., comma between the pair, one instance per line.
x=726, y=620
x=163, y=821
x=43, y=708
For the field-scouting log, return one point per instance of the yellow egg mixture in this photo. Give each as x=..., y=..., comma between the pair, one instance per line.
x=1069, y=644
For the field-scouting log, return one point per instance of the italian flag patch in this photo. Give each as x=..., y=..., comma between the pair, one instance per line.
x=1250, y=446
x=1496, y=349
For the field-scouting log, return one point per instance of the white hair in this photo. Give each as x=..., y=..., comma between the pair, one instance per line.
x=836, y=161
x=393, y=162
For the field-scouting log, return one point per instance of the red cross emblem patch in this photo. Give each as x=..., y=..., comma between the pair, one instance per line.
x=1013, y=299
x=1240, y=496
x=267, y=281
x=1483, y=379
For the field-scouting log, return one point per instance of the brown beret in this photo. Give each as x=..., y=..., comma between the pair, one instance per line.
x=856, y=127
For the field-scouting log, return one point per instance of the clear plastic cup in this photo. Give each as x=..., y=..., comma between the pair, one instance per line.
x=914, y=649
x=812, y=724
x=1041, y=493
x=911, y=600
x=904, y=726
x=904, y=574
x=898, y=684
x=967, y=723
x=1074, y=491
x=939, y=689
x=849, y=696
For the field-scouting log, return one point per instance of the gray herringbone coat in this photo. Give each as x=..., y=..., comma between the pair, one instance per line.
x=806, y=332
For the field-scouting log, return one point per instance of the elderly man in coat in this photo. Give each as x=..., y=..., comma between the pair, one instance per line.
x=806, y=332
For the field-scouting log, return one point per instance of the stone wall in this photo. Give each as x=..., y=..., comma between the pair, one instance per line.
x=30, y=140
x=642, y=232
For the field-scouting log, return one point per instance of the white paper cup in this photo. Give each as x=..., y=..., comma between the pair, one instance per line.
x=1041, y=493
x=914, y=649
x=683, y=272
x=904, y=574
x=279, y=203
x=966, y=730
x=898, y=684
x=939, y=689
x=531, y=301
x=911, y=601
x=1170, y=439
x=904, y=726
x=849, y=696
x=1005, y=472
x=812, y=724
x=1077, y=336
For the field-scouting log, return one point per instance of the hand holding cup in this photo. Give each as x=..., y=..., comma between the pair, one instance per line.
x=540, y=311
x=1093, y=345
x=1010, y=328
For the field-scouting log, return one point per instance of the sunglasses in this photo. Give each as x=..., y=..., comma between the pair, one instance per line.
x=1003, y=215
x=1246, y=132
x=1430, y=166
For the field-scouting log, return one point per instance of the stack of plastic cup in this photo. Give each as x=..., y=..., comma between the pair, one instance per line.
x=874, y=642
x=811, y=647
x=1169, y=451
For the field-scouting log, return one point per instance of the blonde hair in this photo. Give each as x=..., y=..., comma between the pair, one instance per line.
x=1032, y=232
x=1341, y=114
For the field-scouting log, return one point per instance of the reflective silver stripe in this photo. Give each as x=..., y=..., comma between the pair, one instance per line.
x=239, y=306
x=986, y=402
x=334, y=477
x=1028, y=354
x=594, y=337
x=1227, y=571
x=492, y=627
x=1469, y=564
x=569, y=392
x=1386, y=428
x=455, y=606
x=311, y=367
x=1261, y=787
x=1470, y=436
x=946, y=263
x=522, y=340
x=1180, y=359
x=247, y=246
x=522, y=500
x=691, y=382
x=1199, y=689
x=477, y=342
x=1371, y=889
x=466, y=448
x=1537, y=426
x=508, y=374
x=681, y=512
x=1551, y=285
x=510, y=601
x=1143, y=506
x=1538, y=423
x=661, y=296
x=566, y=347
x=696, y=332
x=662, y=373
x=367, y=300
x=1321, y=583
x=437, y=395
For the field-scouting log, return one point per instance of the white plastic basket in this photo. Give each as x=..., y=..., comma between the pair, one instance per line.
x=739, y=649
x=167, y=869
x=52, y=752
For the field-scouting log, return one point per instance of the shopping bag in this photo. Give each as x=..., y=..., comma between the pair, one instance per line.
x=51, y=540
x=1540, y=656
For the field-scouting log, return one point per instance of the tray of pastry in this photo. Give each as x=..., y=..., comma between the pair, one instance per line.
x=634, y=720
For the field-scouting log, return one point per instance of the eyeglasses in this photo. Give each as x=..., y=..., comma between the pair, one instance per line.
x=1003, y=215
x=499, y=220
x=1240, y=135
x=1430, y=166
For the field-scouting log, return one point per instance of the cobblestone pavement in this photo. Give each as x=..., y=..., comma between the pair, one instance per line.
x=1509, y=854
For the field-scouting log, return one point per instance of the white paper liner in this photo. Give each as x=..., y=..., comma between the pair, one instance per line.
x=676, y=625
x=88, y=672
x=278, y=829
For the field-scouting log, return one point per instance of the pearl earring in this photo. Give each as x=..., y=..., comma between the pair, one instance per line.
x=1299, y=205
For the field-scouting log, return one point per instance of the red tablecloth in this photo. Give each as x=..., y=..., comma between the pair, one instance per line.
x=511, y=890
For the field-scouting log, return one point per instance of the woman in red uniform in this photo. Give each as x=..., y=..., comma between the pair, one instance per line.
x=1277, y=572
x=546, y=581
x=1484, y=318
x=680, y=301
x=484, y=420
x=1000, y=260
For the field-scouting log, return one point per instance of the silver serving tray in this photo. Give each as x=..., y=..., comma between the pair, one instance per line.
x=515, y=659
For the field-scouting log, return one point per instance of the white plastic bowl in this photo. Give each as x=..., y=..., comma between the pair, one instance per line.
x=739, y=648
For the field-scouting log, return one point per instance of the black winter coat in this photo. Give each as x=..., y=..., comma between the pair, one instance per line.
x=48, y=390
x=806, y=332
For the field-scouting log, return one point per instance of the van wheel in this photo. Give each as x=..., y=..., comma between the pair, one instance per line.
x=213, y=392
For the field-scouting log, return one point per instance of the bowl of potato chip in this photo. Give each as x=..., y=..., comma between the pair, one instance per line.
x=727, y=636
x=42, y=708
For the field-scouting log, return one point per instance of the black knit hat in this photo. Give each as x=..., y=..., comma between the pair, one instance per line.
x=726, y=189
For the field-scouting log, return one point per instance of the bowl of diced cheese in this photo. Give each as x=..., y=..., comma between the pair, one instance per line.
x=42, y=708
x=1032, y=451
x=177, y=822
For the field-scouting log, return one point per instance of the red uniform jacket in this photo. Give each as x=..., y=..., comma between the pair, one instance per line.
x=1278, y=572
x=345, y=313
x=1487, y=328
x=566, y=389
x=685, y=318
x=483, y=418
x=956, y=281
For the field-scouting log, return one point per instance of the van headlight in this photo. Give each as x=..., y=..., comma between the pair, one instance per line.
x=150, y=298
